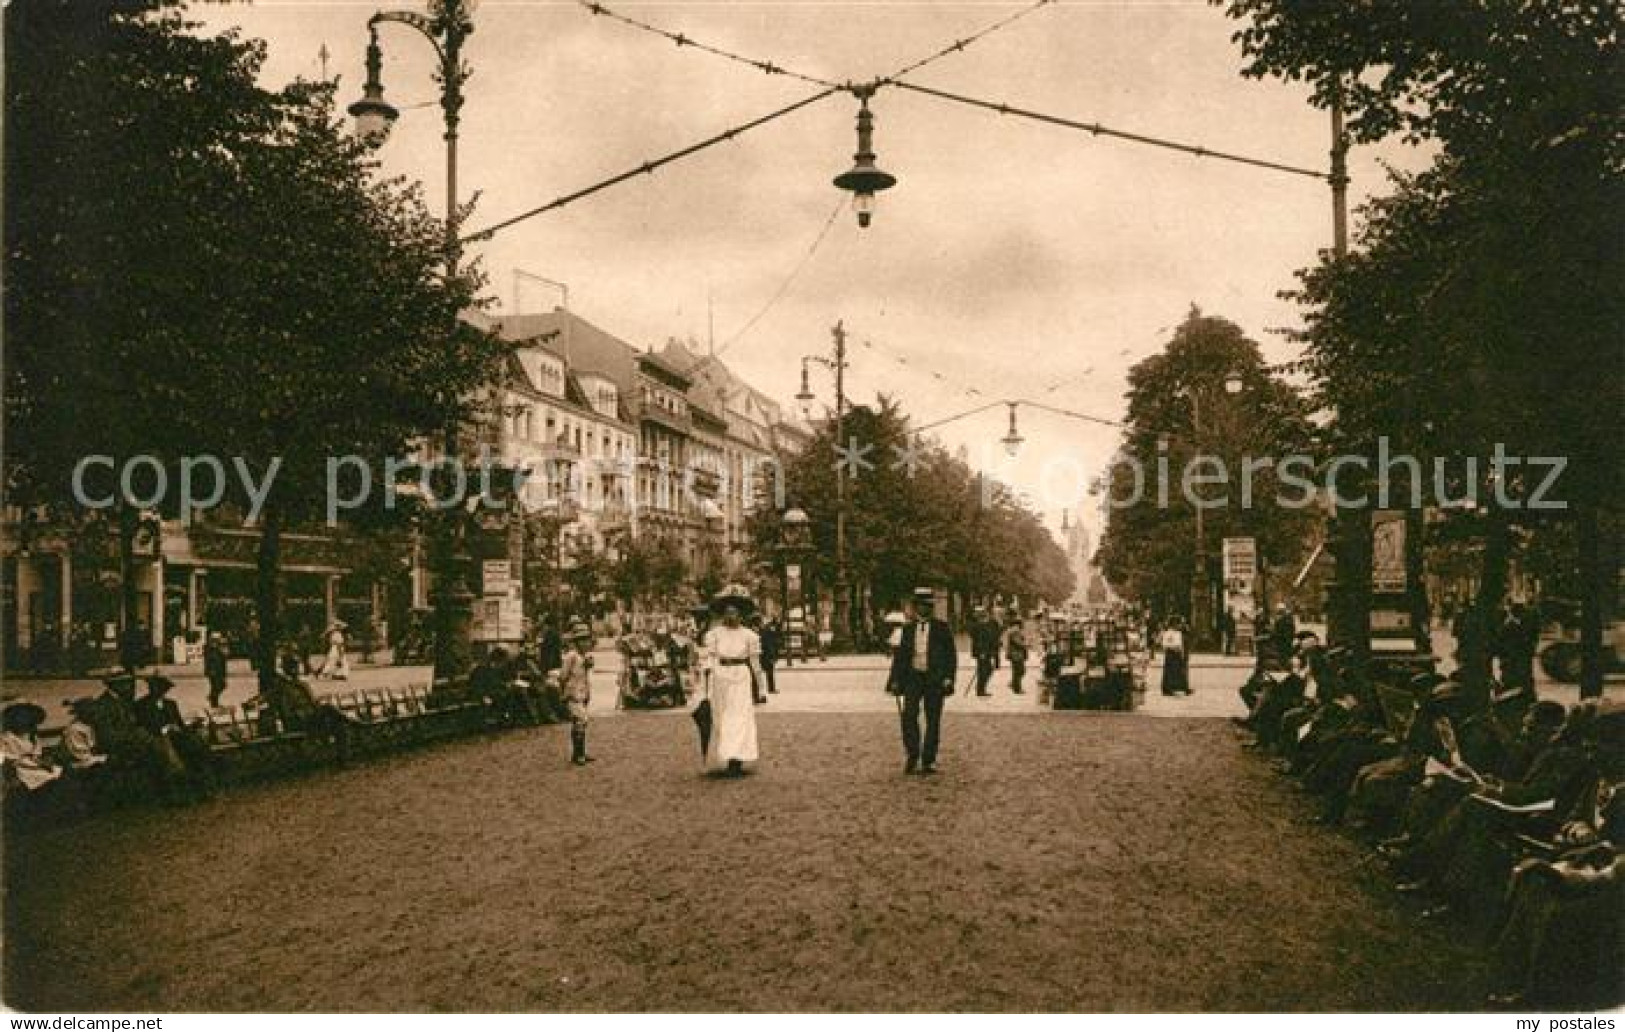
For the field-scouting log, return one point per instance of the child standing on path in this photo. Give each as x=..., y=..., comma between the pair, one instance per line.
x=576, y=685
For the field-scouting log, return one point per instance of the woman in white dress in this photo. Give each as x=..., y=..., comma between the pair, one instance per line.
x=732, y=657
x=337, y=665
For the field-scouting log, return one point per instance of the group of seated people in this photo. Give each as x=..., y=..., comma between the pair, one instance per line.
x=517, y=688
x=1502, y=808
x=112, y=740
x=119, y=743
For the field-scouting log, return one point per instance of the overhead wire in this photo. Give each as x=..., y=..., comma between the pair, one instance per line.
x=1042, y=407
x=959, y=45
x=901, y=360
x=647, y=167
x=778, y=295
x=1097, y=129
x=685, y=40
x=769, y=67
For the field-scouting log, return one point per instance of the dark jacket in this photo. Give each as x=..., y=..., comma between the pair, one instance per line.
x=550, y=650
x=772, y=642
x=984, y=639
x=214, y=662
x=118, y=729
x=942, y=658
x=155, y=714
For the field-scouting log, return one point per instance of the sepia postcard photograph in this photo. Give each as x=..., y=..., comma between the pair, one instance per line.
x=805, y=507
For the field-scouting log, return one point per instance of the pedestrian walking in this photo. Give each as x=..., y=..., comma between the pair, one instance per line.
x=922, y=673
x=1175, y=662
x=772, y=635
x=1015, y=649
x=549, y=646
x=732, y=659
x=984, y=647
x=1516, y=642
x=1227, y=631
x=575, y=685
x=214, y=667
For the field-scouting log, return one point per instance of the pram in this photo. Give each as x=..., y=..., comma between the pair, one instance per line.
x=647, y=679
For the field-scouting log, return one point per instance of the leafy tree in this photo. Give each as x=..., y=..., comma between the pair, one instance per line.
x=936, y=523
x=255, y=290
x=118, y=122
x=649, y=570
x=1179, y=413
x=1483, y=306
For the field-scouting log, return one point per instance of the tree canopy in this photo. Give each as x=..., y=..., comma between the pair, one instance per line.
x=1179, y=410
x=934, y=521
x=200, y=265
x=1482, y=303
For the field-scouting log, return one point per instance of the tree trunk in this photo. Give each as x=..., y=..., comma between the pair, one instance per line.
x=1416, y=588
x=1593, y=589
x=129, y=524
x=1350, y=616
x=267, y=600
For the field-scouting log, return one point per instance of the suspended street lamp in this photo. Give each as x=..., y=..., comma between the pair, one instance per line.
x=372, y=113
x=865, y=178
x=804, y=397
x=1013, y=439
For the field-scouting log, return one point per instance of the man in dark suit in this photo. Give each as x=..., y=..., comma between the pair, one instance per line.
x=984, y=647
x=922, y=672
x=772, y=637
x=187, y=762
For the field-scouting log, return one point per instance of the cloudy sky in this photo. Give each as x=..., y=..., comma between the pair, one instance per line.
x=1012, y=255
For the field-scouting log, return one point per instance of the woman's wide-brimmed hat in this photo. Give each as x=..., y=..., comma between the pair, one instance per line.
x=736, y=596
x=22, y=716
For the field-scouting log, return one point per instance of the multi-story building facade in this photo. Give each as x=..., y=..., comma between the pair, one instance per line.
x=754, y=441
x=692, y=446
x=61, y=606
x=571, y=432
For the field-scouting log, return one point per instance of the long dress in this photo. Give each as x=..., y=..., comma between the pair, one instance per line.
x=1175, y=675
x=733, y=706
x=338, y=664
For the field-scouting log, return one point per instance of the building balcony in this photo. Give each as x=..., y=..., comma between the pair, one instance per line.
x=707, y=484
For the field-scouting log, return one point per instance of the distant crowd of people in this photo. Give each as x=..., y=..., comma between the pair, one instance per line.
x=1484, y=800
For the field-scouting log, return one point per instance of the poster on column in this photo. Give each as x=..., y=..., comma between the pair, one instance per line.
x=1241, y=586
x=499, y=614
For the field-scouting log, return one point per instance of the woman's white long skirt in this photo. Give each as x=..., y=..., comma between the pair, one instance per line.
x=733, y=718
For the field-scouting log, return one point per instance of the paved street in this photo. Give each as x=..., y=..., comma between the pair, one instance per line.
x=838, y=684
x=1071, y=861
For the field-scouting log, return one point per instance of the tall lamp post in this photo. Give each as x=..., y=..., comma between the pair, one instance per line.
x=446, y=26
x=1202, y=628
x=842, y=629
x=1348, y=592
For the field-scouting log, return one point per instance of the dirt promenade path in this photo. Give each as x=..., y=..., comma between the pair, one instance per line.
x=1060, y=862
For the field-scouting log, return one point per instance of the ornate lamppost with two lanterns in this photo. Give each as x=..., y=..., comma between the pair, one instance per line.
x=446, y=25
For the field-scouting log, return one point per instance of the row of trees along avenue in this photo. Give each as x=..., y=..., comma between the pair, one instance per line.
x=1481, y=304
x=198, y=265
x=934, y=521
